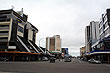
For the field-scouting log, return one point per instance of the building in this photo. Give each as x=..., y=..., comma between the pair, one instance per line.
x=94, y=34
x=99, y=38
x=103, y=45
x=87, y=39
x=17, y=35
x=91, y=35
x=82, y=52
x=53, y=44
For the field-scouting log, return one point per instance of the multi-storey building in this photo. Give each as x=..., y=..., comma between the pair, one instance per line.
x=82, y=52
x=104, y=30
x=16, y=33
x=91, y=36
x=53, y=44
x=94, y=34
x=87, y=39
x=100, y=38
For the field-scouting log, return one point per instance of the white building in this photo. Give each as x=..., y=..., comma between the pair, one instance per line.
x=53, y=44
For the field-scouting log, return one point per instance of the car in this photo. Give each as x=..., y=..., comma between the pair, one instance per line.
x=3, y=59
x=67, y=59
x=52, y=60
x=94, y=61
x=44, y=59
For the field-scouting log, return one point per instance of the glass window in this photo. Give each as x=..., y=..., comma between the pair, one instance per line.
x=101, y=30
x=106, y=24
x=107, y=31
x=4, y=18
x=105, y=18
x=20, y=29
x=102, y=36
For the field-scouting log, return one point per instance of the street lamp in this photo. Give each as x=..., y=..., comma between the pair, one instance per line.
x=40, y=44
x=40, y=41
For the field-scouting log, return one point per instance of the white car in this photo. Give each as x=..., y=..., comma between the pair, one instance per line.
x=44, y=59
x=94, y=61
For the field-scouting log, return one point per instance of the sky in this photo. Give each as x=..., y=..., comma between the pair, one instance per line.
x=67, y=18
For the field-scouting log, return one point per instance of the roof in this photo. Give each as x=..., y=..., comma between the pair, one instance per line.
x=9, y=11
x=32, y=27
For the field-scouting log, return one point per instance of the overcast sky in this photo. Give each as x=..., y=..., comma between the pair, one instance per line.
x=67, y=18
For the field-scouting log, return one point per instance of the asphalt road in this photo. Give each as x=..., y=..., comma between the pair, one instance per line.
x=76, y=66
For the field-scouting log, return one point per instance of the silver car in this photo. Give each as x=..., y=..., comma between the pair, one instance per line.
x=67, y=59
x=94, y=61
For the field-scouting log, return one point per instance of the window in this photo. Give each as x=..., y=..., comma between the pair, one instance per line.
x=4, y=18
x=107, y=32
x=102, y=36
x=3, y=31
x=20, y=29
x=3, y=39
x=101, y=30
x=105, y=18
x=106, y=24
x=4, y=25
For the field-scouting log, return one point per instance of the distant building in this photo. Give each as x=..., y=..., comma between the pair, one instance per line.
x=94, y=33
x=91, y=35
x=82, y=52
x=87, y=39
x=53, y=44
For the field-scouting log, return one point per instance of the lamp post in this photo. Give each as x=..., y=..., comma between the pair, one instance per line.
x=40, y=44
x=40, y=41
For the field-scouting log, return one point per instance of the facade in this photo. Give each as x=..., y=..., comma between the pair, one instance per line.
x=104, y=30
x=91, y=35
x=100, y=38
x=87, y=39
x=57, y=43
x=94, y=33
x=53, y=44
x=17, y=35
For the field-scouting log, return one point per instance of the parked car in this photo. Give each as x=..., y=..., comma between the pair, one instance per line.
x=67, y=59
x=52, y=59
x=94, y=61
x=3, y=59
x=44, y=59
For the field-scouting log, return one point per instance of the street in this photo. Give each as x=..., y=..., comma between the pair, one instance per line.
x=76, y=66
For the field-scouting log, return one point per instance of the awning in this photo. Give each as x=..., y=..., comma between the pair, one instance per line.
x=100, y=51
